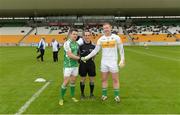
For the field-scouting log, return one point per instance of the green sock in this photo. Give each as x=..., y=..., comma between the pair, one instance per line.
x=104, y=91
x=72, y=88
x=116, y=92
x=62, y=91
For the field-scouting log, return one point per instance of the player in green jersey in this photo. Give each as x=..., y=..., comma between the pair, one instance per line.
x=70, y=65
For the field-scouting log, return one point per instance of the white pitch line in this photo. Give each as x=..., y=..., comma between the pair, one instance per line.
x=27, y=104
x=166, y=51
x=172, y=59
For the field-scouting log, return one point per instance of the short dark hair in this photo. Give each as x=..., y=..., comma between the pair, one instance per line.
x=86, y=31
x=73, y=30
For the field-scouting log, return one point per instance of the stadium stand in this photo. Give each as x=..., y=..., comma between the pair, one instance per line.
x=14, y=30
x=49, y=33
x=9, y=39
x=36, y=38
x=131, y=32
x=151, y=33
x=12, y=35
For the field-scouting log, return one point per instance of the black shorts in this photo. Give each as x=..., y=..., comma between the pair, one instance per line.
x=87, y=68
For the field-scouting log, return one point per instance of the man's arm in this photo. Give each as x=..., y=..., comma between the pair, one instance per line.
x=121, y=52
x=92, y=54
x=72, y=56
x=69, y=53
x=44, y=44
x=39, y=44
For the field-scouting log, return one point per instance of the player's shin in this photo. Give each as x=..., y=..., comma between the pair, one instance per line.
x=62, y=91
x=72, y=89
x=116, y=92
x=82, y=86
x=91, y=84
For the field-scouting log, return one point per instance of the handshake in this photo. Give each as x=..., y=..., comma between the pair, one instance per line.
x=84, y=59
x=121, y=63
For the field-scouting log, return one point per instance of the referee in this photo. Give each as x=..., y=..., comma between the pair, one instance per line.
x=87, y=67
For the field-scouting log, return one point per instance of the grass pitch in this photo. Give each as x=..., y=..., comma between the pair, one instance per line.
x=150, y=83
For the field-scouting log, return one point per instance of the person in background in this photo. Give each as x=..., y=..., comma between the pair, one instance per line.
x=55, y=48
x=41, y=49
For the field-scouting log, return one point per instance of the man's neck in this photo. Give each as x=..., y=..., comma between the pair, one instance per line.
x=72, y=40
x=108, y=34
x=87, y=41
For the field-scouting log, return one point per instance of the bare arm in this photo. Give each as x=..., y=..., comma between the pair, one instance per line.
x=72, y=56
x=69, y=53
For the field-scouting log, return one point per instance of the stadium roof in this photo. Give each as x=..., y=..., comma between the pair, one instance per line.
x=89, y=7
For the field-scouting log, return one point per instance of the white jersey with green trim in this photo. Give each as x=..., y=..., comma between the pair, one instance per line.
x=110, y=45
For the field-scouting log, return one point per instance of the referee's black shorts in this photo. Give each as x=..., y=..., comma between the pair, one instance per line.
x=87, y=68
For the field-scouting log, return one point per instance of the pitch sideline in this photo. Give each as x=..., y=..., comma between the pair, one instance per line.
x=35, y=95
x=139, y=52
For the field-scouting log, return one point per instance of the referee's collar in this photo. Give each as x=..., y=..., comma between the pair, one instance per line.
x=86, y=43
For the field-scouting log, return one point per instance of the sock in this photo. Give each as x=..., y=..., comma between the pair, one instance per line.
x=104, y=91
x=116, y=92
x=62, y=91
x=72, y=88
x=82, y=86
x=91, y=84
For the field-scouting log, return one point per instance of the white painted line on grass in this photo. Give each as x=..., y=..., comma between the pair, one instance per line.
x=27, y=104
x=165, y=50
x=172, y=59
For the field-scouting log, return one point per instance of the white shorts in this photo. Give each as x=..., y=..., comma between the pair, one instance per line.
x=73, y=71
x=109, y=66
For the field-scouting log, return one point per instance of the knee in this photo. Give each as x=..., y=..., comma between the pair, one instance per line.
x=116, y=81
x=92, y=80
x=104, y=80
x=66, y=82
x=83, y=80
x=72, y=81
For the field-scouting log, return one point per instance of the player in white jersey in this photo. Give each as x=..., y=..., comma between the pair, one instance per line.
x=109, y=43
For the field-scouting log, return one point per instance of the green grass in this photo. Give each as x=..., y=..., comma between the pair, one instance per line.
x=150, y=83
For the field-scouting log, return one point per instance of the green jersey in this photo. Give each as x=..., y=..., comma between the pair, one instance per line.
x=72, y=46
